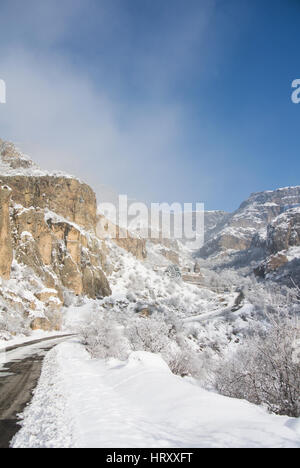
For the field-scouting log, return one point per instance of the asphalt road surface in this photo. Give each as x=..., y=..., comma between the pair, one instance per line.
x=18, y=378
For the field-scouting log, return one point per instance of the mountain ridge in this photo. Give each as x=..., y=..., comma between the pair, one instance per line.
x=252, y=217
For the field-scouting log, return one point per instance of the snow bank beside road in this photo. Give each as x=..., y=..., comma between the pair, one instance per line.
x=46, y=421
x=82, y=402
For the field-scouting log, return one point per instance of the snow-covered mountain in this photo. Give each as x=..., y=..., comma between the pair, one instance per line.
x=282, y=248
x=238, y=230
x=213, y=220
x=147, y=315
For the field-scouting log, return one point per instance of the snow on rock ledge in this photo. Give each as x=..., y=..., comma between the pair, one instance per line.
x=47, y=225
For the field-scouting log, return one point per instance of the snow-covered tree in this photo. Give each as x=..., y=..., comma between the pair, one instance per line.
x=266, y=369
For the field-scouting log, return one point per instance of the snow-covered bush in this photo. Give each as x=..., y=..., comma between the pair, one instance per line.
x=266, y=369
x=13, y=323
x=184, y=362
x=113, y=334
x=104, y=338
x=272, y=298
x=148, y=334
x=160, y=335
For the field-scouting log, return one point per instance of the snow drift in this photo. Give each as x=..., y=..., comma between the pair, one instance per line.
x=81, y=402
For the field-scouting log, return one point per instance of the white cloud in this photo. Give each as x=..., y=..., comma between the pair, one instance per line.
x=64, y=122
x=67, y=120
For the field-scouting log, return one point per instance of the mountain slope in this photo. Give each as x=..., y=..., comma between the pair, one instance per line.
x=282, y=249
x=251, y=219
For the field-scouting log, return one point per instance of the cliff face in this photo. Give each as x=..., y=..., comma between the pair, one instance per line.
x=65, y=196
x=213, y=221
x=253, y=216
x=48, y=224
x=6, y=252
x=63, y=254
x=282, y=248
x=284, y=231
x=123, y=238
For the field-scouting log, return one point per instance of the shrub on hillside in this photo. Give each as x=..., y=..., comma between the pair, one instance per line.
x=104, y=338
x=266, y=369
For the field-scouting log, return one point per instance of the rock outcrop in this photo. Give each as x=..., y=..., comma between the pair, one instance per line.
x=63, y=254
x=60, y=193
x=213, y=221
x=122, y=237
x=64, y=196
x=282, y=246
x=168, y=248
x=284, y=231
x=6, y=251
x=48, y=224
x=239, y=230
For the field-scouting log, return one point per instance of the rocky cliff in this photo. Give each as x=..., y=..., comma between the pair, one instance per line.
x=284, y=231
x=6, y=251
x=47, y=227
x=213, y=222
x=238, y=230
x=282, y=247
x=129, y=241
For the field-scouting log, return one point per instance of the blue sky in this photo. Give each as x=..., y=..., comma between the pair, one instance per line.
x=166, y=101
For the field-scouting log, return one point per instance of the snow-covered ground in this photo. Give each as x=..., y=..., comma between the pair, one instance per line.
x=136, y=281
x=81, y=402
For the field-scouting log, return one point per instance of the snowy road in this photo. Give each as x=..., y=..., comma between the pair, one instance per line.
x=222, y=312
x=20, y=368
